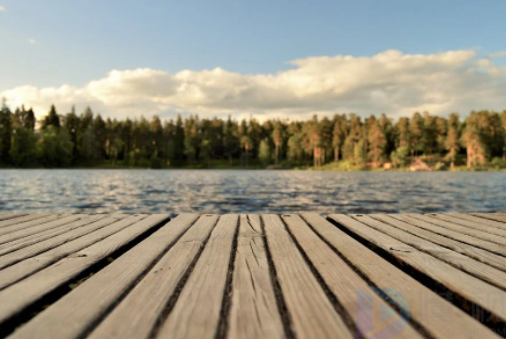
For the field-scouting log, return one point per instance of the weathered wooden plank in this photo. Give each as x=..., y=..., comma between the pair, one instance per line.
x=461, y=229
x=343, y=281
x=486, y=257
x=51, y=233
x=87, y=303
x=254, y=313
x=196, y=313
x=478, y=226
x=18, y=297
x=311, y=312
x=7, y=216
x=35, y=263
x=483, y=244
x=10, y=258
x=491, y=216
x=31, y=220
x=466, y=264
x=402, y=287
x=22, y=219
x=481, y=221
x=7, y=238
x=452, y=278
x=137, y=315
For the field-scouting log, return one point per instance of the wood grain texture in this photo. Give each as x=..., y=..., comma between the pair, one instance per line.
x=462, y=229
x=483, y=244
x=11, y=257
x=344, y=282
x=479, y=226
x=48, y=226
x=466, y=264
x=137, y=315
x=20, y=270
x=254, y=313
x=478, y=220
x=425, y=306
x=76, y=313
x=491, y=216
x=22, y=219
x=196, y=313
x=16, y=298
x=455, y=280
x=311, y=312
x=40, y=237
x=476, y=253
x=7, y=216
x=13, y=225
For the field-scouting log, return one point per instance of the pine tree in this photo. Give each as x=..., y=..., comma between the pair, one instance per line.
x=179, y=141
x=277, y=136
x=29, y=120
x=5, y=133
x=476, y=147
x=452, y=143
x=52, y=119
x=402, y=133
x=416, y=133
x=339, y=134
x=377, y=143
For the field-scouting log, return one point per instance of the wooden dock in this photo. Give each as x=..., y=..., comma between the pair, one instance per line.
x=252, y=276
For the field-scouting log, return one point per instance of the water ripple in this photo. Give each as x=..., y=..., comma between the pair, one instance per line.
x=208, y=191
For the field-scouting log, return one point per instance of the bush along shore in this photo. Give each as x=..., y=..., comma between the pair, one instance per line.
x=343, y=142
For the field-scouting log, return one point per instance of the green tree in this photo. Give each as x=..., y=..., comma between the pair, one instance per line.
x=179, y=141
x=265, y=153
x=377, y=143
x=71, y=124
x=399, y=157
x=416, y=133
x=23, y=151
x=5, y=133
x=476, y=147
x=429, y=143
x=359, y=153
x=277, y=137
x=55, y=147
x=452, y=143
x=339, y=134
x=403, y=138
x=51, y=119
x=28, y=119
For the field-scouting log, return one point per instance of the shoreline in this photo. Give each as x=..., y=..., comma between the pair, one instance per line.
x=306, y=169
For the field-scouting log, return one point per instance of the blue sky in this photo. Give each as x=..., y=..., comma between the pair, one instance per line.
x=74, y=42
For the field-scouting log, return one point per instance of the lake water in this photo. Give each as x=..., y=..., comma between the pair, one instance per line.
x=176, y=191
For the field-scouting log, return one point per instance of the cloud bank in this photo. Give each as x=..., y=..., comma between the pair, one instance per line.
x=391, y=82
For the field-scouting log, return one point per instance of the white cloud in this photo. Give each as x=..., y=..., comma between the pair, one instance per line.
x=2, y=8
x=501, y=54
x=390, y=82
x=33, y=42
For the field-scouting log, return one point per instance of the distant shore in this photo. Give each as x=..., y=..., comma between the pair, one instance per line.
x=341, y=166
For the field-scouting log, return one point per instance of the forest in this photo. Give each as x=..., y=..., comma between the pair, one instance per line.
x=344, y=141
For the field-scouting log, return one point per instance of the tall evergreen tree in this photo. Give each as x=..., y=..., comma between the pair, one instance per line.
x=416, y=133
x=452, y=142
x=5, y=133
x=52, y=119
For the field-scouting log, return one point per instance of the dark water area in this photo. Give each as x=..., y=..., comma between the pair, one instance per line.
x=224, y=191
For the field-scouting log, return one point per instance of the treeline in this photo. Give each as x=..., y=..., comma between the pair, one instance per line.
x=88, y=140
